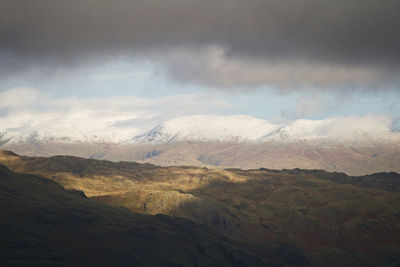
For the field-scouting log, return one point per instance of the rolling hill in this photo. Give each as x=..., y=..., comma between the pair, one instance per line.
x=42, y=224
x=299, y=217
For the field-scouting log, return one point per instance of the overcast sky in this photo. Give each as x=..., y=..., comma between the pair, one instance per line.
x=277, y=60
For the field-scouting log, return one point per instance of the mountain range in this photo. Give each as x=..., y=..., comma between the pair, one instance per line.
x=355, y=146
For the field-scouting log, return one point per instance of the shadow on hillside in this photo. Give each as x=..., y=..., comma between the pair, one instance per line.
x=302, y=216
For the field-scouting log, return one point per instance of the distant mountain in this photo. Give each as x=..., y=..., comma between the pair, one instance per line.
x=56, y=135
x=355, y=146
x=334, y=130
x=214, y=128
x=206, y=128
x=239, y=129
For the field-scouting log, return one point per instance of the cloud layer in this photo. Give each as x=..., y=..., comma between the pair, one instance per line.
x=228, y=43
x=119, y=118
x=108, y=119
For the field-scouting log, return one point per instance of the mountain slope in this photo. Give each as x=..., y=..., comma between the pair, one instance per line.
x=42, y=224
x=363, y=131
x=350, y=159
x=293, y=216
x=203, y=128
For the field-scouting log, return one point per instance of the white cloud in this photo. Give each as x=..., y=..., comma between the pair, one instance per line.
x=22, y=97
x=109, y=118
x=369, y=123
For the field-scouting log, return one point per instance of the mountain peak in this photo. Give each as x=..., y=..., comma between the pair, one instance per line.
x=352, y=129
x=242, y=128
x=233, y=128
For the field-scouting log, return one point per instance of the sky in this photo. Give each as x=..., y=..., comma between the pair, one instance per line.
x=131, y=64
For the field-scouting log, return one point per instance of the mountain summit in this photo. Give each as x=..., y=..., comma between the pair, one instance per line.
x=240, y=128
x=203, y=128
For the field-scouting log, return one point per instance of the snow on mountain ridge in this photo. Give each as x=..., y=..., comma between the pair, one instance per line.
x=246, y=128
x=234, y=128
x=298, y=129
x=350, y=129
x=32, y=136
x=217, y=128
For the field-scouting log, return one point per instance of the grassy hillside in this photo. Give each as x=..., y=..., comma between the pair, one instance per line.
x=42, y=224
x=291, y=216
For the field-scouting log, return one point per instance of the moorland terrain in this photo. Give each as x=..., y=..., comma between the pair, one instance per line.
x=287, y=217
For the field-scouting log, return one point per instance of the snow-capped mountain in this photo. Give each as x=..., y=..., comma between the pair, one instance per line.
x=205, y=128
x=342, y=130
x=355, y=145
x=217, y=128
x=51, y=135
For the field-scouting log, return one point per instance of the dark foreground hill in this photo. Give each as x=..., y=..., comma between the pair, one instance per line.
x=42, y=224
x=289, y=217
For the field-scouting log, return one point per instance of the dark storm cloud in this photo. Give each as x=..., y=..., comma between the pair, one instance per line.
x=265, y=39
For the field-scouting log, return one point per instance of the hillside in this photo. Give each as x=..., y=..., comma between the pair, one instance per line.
x=294, y=216
x=42, y=224
x=352, y=160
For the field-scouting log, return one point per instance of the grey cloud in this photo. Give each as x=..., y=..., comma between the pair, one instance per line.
x=356, y=35
x=213, y=67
